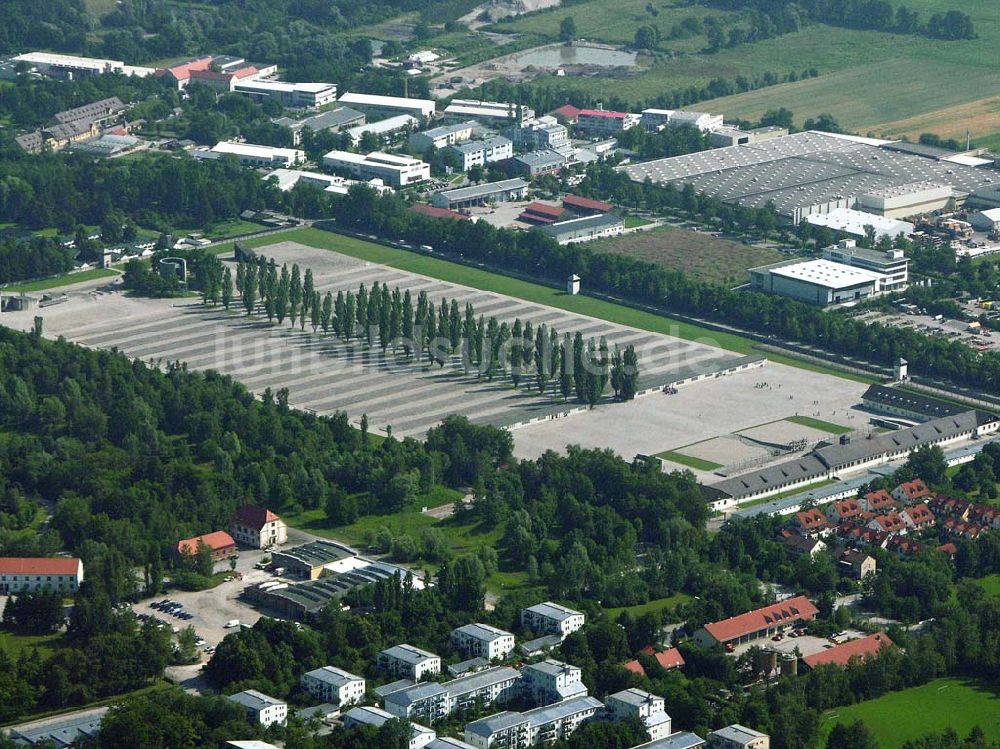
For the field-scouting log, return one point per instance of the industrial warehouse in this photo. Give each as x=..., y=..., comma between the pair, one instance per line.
x=812, y=172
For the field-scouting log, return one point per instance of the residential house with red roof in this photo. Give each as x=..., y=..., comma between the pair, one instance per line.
x=891, y=523
x=759, y=623
x=799, y=546
x=813, y=522
x=258, y=528
x=856, y=564
x=668, y=659
x=918, y=517
x=846, y=509
x=603, y=123
x=880, y=501
x=31, y=574
x=863, y=648
x=220, y=543
x=910, y=492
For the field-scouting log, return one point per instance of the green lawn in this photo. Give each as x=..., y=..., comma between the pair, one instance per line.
x=532, y=292
x=233, y=228
x=823, y=426
x=688, y=460
x=990, y=584
x=64, y=280
x=14, y=644
x=634, y=222
x=901, y=716
x=789, y=493
x=658, y=604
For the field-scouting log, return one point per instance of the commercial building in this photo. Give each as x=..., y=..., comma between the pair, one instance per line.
x=293, y=95
x=310, y=560
x=482, y=641
x=333, y=120
x=738, y=737
x=481, y=152
x=892, y=265
x=73, y=125
x=108, y=145
x=61, y=732
x=258, y=528
x=858, y=223
x=408, y=661
x=374, y=105
x=819, y=282
x=813, y=172
x=220, y=543
x=987, y=220
x=434, y=212
x=585, y=228
x=551, y=681
x=638, y=703
x=32, y=574
x=909, y=199
x=543, y=725
x=398, y=171
x=537, y=163
x=249, y=154
x=585, y=206
x=444, y=136
x=489, y=192
x=420, y=736
x=702, y=121
x=288, y=178
x=906, y=405
x=494, y=113
x=552, y=618
x=539, y=213
x=721, y=137
x=72, y=66
x=331, y=684
x=225, y=82
x=260, y=708
x=384, y=129
x=539, y=134
x=602, y=123
x=759, y=623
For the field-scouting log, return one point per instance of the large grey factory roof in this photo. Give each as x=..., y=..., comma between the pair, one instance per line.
x=313, y=595
x=316, y=553
x=803, y=169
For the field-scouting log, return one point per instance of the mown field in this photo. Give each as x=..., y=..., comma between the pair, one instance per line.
x=696, y=254
x=899, y=717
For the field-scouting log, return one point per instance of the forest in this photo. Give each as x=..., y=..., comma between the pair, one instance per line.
x=34, y=258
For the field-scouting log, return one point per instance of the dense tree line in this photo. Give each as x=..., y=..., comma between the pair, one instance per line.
x=391, y=319
x=33, y=258
x=204, y=274
x=877, y=15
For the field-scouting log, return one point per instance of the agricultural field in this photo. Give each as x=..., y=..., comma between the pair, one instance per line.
x=696, y=254
x=901, y=716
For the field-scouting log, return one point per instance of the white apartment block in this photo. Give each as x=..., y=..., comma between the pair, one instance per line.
x=31, y=574
x=738, y=737
x=398, y=171
x=260, y=708
x=493, y=112
x=331, y=684
x=492, y=685
x=481, y=152
x=427, y=702
x=552, y=619
x=552, y=681
x=483, y=641
x=420, y=736
x=649, y=708
x=407, y=661
x=295, y=95
x=260, y=156
x=444, y=136
x=543, y=725
x=258, y=528
x=507, y=730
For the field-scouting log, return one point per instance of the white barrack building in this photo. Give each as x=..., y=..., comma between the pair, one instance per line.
x=398, y=171
x=385, y=106
x=296, y=95
x=260, y=156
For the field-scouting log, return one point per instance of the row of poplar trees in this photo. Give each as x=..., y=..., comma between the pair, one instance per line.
x=539, y=358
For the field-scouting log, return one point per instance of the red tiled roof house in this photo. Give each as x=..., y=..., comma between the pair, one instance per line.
x=258, y=528
x=23, y=574
x=759, y=623
x=862, y=649
x=220, y=543
x=911, y=492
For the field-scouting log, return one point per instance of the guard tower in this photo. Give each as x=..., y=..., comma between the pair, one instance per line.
x=901, y=370
x=573, y=285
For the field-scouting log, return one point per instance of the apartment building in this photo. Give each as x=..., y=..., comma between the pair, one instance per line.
x=407, y=661
x=551, y=681
x=331, y=684
x=483, y=641
x=552, y=619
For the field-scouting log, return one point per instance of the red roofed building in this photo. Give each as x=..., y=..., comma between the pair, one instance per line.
x=949, y=548
x=918, y=517
x=911, y=492
x=258, y=528
x=585, y=206
x=566, y=114
x=879, y=501
x=21, y=574
x=635, y=667
x=221, y=543
x=434, y=212
x=180, y=75
x=601, y=123
x=221, y=81
x=891, y=523
x=540, y=213
x=862, y=648
x=812, y=522
x=759, y=623
x=847, y=509
x=668, y=660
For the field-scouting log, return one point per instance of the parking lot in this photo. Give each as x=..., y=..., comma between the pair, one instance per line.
x=956, y=330
x=805, y=644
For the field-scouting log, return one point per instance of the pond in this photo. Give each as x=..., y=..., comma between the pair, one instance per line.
x=557, y=56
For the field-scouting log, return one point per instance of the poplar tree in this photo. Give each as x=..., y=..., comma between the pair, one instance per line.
x=516, y=353
x=227, y=288
x=326, y=315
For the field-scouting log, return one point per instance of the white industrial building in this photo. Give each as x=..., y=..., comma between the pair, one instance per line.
x=492, y=112
x=638, y=703
x=250, y=154
x=420, y=736
x=657, y=119
x=856, y=223
x=819, y=282
x=398, y=171
x=386, y=106
x=481, y=152
x=482, y=641
x=893, y=265
x=383, y=128
x=407, y=661
x=552, y=619
x=444, y=136
x=261, y=708
x=73, y=66
x=987, y=220
x=334, y=685
x=288, y=178
x=585, y=228
x=295, y=95
x=552, y=681
x=489, y=192
x=899, y=201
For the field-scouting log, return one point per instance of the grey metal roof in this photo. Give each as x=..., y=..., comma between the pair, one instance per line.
x=416, y=693
x=393, y=686
x=921, y=404
x=333, y=675
x=254, y=700
x=481, y=680
x=443, y=130
x=598, y=221
x=553, y=611
x=457, y=669
x=633, y=696
x=550, y=667
x=488, y=188
x=333, y=118
x=492, y=723
x=65, y=729
x=542, y=715
x=736, y=732
x=472, y=146
x=318, y=553
x=539, y=643
x=408, y=653
x=799, y=469
x=482, y=631
x=682, y=740
x=541, y=158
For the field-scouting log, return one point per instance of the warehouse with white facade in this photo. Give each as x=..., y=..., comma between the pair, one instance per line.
x=395, y=170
